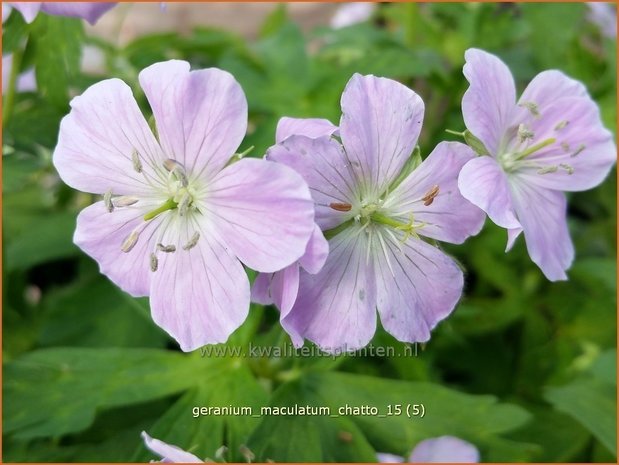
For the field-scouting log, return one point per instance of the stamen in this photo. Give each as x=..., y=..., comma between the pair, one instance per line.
x=137, y=164
x=430, y=195
x=524, y=133
x=532, y=107
x=536, y=147
x=580, y=148
x=548, y=169
x=341, y=207
x=184, y=204
x=154, y=262
x=107, y=200
x=561, y=125
x=124, y=201
x=565, y=146
x=192, y=242
x=568, y=168
x=176, y=169
x=130, y=241
x=166, y=248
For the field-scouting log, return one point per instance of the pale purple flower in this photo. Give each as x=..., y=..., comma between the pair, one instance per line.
x=169, y=453
x=604, y=16
x=377, y=259
x=90, y=11
x=352, y=13
x=177, y=215
x=551, y=140
x=444, y=449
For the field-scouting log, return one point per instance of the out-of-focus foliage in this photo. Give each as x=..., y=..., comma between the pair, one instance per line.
x=524, y=368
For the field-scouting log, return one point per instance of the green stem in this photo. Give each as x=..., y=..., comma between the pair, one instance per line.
x=537, y=147
x=338, y=229
x=378, y=218
x=170, y=204
x=9, y=98
x=410, y=12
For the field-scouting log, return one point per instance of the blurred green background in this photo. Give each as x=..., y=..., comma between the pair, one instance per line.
x=524, y=369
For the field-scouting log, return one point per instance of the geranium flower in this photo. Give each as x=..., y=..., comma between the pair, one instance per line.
x=177, y=216
x=374, y=211
x=90, y=11
x=551, y=140
x=169, y=453
x=444, y=449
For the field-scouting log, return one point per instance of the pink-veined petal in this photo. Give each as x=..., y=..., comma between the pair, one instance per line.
x=380, y=124
x=169, y=452
x=336, y=308
x=29, y=10
x=448, y=216
x=584, y=151
x=90, y=11
x=323, y=165
x=417, y=285
x=201, y=115
x=444, y=449
x=489, y=103
x=309, y=127
x=97, y=141
x=201, y=295
x=101, y=234
x=261, y=289
x=264, y=212
x=545, y=89
x=316, y=252
x=542, y=213
x=512, y=235
x=483, y=183
x=284, y=288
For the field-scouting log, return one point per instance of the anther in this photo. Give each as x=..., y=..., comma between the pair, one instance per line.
x=107, y=200
x=176, y=169
x=565, y=146
x=154, y=262
x=580, y=148
x=124, y=201
x=524, y=133
x=130, y=241
x=192, y=242
x=548, y=169
x=532, y=107
x=430, y=195
x=137, y=164
x=567, y=168
x=341, y=207
x=184, y=204
x=561, y=125
x=166, y=248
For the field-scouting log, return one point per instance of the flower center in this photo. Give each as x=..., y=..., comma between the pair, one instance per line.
x=181, y=197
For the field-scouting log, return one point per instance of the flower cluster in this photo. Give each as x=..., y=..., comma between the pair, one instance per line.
x=341, y=222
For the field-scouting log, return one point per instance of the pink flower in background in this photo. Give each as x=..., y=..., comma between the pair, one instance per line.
x=168, y=452
x=90, y=11
x=26, y=81
x=177, y=217
x=549, y=141
x=604, y=16
x=352, y=13
x=374, y=212
x=444, y=449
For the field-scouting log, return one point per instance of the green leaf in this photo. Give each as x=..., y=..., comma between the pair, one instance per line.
x=57, y=42
x=32, y=247
x=275, y=21
x=14, y=30
x=53, y=392
x=203, y=435
x=307, y=438
x=593, y=404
